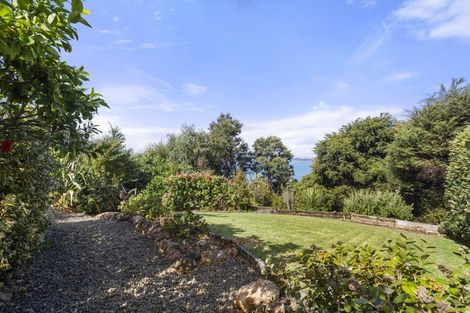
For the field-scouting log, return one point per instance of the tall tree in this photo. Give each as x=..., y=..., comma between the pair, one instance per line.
x=226, y=149
x=189, y=147
x=355, y=155
x=420, y=152
x=272, y=160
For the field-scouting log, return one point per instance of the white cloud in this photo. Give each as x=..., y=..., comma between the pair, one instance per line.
x=139, y=138
x=371, y=45
x=194, y=89
x=105, y=31
x=135, y=96
x=157, y=15
x=400, y=76
x=300, y=132
x=116, y=19
x=437, y=19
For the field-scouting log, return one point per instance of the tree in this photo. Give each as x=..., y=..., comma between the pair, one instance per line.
x=355, y=155
x=225, y=148
x=189, y=147
x=40, y=94
x=457, y=220
x=419, y=154
x=272, y=160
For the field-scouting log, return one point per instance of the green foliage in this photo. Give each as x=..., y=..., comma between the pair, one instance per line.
x=148, y=202
x=189, y=147
x=363, y=279
x=99, y=182
x=25, y=182
x=378, y=203
x=315, y=198
x=226, y=151
x=261, y=191
x=419, y=154
x=181, y=225
x=355, y=155
x=39, y=93
x=457, y=220
x=202, y=191
x=272, y=161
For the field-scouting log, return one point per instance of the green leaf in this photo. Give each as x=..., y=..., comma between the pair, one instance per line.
x=4, y=10
x=77, y=6
x=400, y=298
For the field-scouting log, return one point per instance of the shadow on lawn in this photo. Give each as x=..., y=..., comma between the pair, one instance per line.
x=263, y=249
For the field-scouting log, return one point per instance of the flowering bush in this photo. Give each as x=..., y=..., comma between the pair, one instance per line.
x=395, y=279
x=181, y=225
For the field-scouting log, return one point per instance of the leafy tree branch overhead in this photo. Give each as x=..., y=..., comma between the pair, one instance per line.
x=40, y=93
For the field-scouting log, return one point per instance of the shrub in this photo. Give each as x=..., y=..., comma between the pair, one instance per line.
x=315, y=198
x=147, y=203
x=261, y=191
x=457, y=220
x=378, y=203
x=363, y=279
x=181, y=225
x=202, y=191
x=25, y=182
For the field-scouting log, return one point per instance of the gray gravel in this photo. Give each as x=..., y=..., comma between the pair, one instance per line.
x=90, y=265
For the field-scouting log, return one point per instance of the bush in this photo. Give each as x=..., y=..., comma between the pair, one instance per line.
x=261, y=191
x=365, y=280
x=316, y=198
x=25, y=182
x=457, y=220
x=378, y=203
x=202, y=191
x=181, y=225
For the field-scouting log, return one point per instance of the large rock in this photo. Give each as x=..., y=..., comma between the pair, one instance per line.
x=113, y=216
x=153, y=231
x=260, y=293
x=211, y=257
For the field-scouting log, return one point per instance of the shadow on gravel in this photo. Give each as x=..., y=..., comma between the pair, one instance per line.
x=104, y=266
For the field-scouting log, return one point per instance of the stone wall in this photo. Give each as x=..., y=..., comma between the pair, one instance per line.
x=358, y=218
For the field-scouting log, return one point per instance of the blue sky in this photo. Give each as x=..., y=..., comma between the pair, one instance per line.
x=294, y=69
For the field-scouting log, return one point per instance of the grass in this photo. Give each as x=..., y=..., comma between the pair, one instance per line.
x=280, y=235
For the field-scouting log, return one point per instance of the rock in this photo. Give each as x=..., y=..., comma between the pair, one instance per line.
x=260, y=293
x=173, y=255
x=166, y=245
x=137, y=221
x=161, y=236
x=107, y=216
x=211, y=257
x=182, y=265
x=5, y=296
x=153, y=231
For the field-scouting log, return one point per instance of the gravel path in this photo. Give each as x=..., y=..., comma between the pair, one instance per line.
x=91, y=265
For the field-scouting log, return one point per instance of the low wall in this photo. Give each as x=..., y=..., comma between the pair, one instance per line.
x=363, y=219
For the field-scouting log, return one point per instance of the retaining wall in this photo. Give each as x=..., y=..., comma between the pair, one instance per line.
x=363, y=219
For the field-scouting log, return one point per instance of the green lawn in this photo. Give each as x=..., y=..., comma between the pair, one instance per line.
x=279, y=235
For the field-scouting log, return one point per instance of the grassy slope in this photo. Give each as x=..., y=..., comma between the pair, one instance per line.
x=278, y=235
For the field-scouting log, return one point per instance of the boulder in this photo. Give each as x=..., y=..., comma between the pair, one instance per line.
x=211, y=257
x=108, y=216
x=260, y=293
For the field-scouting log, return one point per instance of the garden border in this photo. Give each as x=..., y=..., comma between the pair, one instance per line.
x=243, y=253
x=359, y=218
